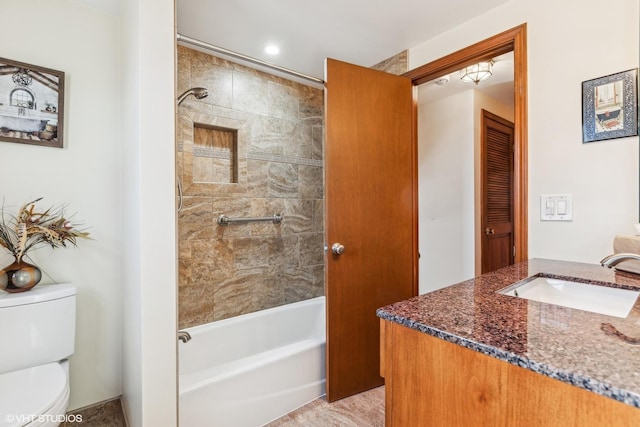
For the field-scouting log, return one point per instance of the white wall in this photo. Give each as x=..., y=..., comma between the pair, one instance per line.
x=568, y=43
x=446, y=189
x=85, y=44
x=115, y=171
x=132, y=335
x=449, y=173
x=149, y=264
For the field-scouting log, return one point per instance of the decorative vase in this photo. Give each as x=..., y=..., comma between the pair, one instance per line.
x=19, y=277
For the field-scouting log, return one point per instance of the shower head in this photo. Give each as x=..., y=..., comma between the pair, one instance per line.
x=198, y=92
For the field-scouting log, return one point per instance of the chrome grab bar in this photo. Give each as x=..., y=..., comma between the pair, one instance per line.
x=179, y=193
x=225, y=220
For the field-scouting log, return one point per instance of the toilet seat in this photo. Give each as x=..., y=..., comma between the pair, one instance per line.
x=28, y=393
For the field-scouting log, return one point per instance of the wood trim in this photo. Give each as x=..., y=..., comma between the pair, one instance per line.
x=514, y=40
x=485, y=49
x=383, y=343
x=521, y=144
x=486, y=114
x=415, y=193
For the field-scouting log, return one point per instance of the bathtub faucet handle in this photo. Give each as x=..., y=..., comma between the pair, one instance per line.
x=184, y=336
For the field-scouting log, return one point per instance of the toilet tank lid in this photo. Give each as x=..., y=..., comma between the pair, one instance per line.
x=39, y=293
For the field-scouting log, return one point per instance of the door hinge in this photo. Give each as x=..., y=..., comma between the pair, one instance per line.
x=514, y=252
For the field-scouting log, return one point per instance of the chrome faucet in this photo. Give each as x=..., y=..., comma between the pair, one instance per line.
x=184, y=336
x=615, y=259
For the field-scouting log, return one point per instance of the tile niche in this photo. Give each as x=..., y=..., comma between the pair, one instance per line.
x=215, y=154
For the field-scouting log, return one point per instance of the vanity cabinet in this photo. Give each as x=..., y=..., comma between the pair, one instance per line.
x=433, y=382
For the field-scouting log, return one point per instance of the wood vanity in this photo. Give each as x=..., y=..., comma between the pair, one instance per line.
x=467, y=356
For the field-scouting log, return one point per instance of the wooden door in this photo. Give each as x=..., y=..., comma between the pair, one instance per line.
x=371, y=209
x=497, y=192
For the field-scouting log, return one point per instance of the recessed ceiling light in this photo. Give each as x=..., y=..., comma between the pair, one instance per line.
x=442, y=80
x=272, y=49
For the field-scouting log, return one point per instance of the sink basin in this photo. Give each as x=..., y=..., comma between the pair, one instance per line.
x=594, y=298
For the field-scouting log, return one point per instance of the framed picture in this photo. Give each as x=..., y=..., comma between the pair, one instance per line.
x=610, y=106
x=31, y=104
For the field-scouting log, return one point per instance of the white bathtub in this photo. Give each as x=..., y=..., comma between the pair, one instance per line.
x=252, y=369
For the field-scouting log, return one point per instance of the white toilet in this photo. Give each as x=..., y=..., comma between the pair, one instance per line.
x=37, y=335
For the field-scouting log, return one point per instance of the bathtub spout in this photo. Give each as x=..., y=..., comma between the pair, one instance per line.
x=184, y=336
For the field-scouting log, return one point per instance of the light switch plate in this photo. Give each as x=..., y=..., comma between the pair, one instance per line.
x=556, y=207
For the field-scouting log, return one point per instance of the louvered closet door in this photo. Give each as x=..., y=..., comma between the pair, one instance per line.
x=497, y=192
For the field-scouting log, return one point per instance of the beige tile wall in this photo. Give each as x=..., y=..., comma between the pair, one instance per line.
x=236, y=269
x=397, y=64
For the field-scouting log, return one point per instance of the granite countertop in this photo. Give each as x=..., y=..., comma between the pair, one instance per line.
x=562, y=343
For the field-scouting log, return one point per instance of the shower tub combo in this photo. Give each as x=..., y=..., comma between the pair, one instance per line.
x=252, y=369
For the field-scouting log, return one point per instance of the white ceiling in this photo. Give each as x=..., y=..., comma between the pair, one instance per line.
x=363, y=32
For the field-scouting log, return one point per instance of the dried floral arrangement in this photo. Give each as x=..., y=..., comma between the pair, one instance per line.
x=32, y=228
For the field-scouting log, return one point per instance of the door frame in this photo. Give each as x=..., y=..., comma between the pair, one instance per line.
x=513, y=40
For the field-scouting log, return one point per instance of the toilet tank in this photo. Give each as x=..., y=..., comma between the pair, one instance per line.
x=37, y=326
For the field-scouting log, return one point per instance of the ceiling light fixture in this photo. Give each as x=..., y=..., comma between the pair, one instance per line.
x=272, y=49
x=476, y=72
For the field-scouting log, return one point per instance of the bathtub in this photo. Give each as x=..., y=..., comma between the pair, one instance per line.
x=23, y=124
x=252, y=369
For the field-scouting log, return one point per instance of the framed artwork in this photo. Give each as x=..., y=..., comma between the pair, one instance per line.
x=31, y=104
x=610, y=106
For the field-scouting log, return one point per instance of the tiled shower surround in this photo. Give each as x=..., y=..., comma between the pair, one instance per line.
x=252, y=148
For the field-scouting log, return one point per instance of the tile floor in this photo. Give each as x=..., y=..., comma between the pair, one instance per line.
x=362, y=410
x=103, y=414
